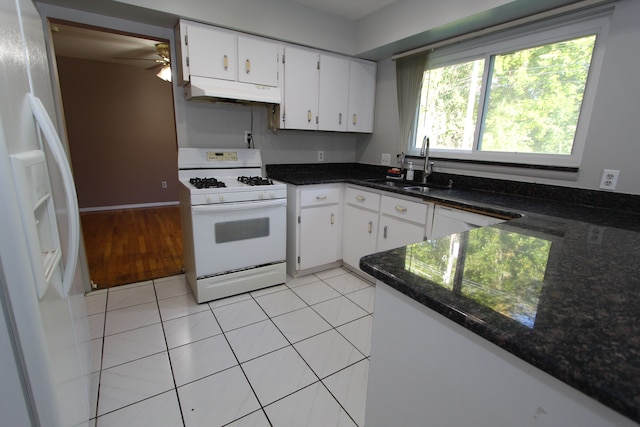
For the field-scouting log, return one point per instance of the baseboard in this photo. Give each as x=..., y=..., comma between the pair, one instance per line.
x=134, y=206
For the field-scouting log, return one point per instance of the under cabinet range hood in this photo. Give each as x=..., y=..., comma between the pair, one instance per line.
x=231, y=91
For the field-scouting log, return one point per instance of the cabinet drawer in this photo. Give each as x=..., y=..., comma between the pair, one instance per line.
x=411, y=211
x=471, y=218
x=319, y=196
x=365, y=199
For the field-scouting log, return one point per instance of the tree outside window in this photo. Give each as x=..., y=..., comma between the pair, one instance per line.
x=524, y=101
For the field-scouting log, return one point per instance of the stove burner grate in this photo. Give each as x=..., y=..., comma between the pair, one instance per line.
x=255, y=180
x=206, y=183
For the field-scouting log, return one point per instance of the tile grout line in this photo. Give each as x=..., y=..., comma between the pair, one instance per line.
x=294, y=349
x=173, y=376
x=303, y=359
x=241, y=368
x=104, y=328
x=149, y=397
x=239, y=364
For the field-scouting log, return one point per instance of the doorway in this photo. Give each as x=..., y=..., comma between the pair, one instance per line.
x=121, y=130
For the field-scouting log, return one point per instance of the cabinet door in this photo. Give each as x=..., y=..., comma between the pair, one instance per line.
x=318, y=236
x=360, y=234
x=300, y=89
x=257, y=61
x=333, y=93
x=212, y=53
x=362, y=95
x=394, y=233
x=182, y=52
x=448, y=221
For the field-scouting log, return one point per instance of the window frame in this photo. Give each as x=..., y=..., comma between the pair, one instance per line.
x=594, y=21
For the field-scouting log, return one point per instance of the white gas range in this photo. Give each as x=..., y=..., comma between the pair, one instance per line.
x=233, y=222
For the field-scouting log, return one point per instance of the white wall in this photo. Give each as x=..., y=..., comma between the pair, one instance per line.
x=407, y=18
x=279, y=19
x=613, y=137
x=205, y=124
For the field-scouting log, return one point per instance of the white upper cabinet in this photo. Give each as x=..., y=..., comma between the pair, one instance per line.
x=301, y=80
x=327, y=92
x=215, y=53
x=316, y=90
x=333, y=89
x=211, y=53
x=257, y=61
x=362, y=96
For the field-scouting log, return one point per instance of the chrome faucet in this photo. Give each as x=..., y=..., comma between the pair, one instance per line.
x=424, y=152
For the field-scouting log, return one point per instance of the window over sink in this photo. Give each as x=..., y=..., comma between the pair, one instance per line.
x=523, y=96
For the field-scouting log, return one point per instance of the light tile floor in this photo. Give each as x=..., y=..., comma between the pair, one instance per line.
x=296, y=354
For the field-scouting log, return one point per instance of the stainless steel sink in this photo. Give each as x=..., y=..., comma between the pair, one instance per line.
x=409, y=186
x=390, y=183
x=418, y=189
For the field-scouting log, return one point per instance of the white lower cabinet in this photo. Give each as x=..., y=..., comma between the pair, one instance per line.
x=448, y=221
x=361, y=213
x=375, y=222
x=319, y=236
x=326, y=227
x=314, y=228
x=402, y=222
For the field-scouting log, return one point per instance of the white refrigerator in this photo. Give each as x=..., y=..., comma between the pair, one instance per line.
x=45, y=347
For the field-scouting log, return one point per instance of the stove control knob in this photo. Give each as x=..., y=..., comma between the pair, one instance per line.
x=261, y=196
x=208, y=199
x=273, y=195
x=221, y=198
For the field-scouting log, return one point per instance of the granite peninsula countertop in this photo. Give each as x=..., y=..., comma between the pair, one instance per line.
x=558, y=285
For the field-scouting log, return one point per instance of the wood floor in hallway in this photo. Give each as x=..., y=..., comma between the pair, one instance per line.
x=133, y=245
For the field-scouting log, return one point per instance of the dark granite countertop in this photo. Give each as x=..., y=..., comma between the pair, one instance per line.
x=557, y=286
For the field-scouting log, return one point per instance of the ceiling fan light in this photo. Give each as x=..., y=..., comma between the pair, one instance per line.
x=165, y=73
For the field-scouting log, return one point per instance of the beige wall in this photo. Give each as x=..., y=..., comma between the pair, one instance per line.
x=121, y=131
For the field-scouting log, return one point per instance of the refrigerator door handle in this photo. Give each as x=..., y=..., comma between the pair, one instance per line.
x=60, y=157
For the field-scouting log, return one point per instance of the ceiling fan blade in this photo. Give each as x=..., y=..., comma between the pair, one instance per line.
x=155, y=67
x=134, y=59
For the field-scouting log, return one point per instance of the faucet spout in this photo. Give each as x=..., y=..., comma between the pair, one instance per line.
x=424, y=152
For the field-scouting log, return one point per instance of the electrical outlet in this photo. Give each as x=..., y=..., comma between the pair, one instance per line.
x=321, y=156
x=386, y=159
x=248, y=137
x=609, y=179
x=164, y=184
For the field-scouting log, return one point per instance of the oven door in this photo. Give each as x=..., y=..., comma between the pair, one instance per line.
x=234, y=236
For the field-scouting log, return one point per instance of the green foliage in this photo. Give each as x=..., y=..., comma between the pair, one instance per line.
x=502, y=270
x=533, y=102
x=451, y=98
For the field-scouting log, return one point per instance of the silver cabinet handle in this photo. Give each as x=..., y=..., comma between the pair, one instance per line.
x=401, y=209
x=355, y=119
x=247, y=66
x=321, y=197
x=225, y=62
x=384, y=233
x=370, y=226
x=360, y=198
x=333, y=219
x=339, y=118
x=309, y=116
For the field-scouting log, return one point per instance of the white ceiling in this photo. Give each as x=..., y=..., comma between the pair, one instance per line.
x=351, y=9
x=93, y=44
x=97, y=45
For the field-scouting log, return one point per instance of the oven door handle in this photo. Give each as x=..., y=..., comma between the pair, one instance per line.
x=223, y=207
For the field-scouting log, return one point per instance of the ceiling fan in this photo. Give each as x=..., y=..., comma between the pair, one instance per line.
x=163, y=64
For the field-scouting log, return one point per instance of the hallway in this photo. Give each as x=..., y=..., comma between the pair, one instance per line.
x=132, y=245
